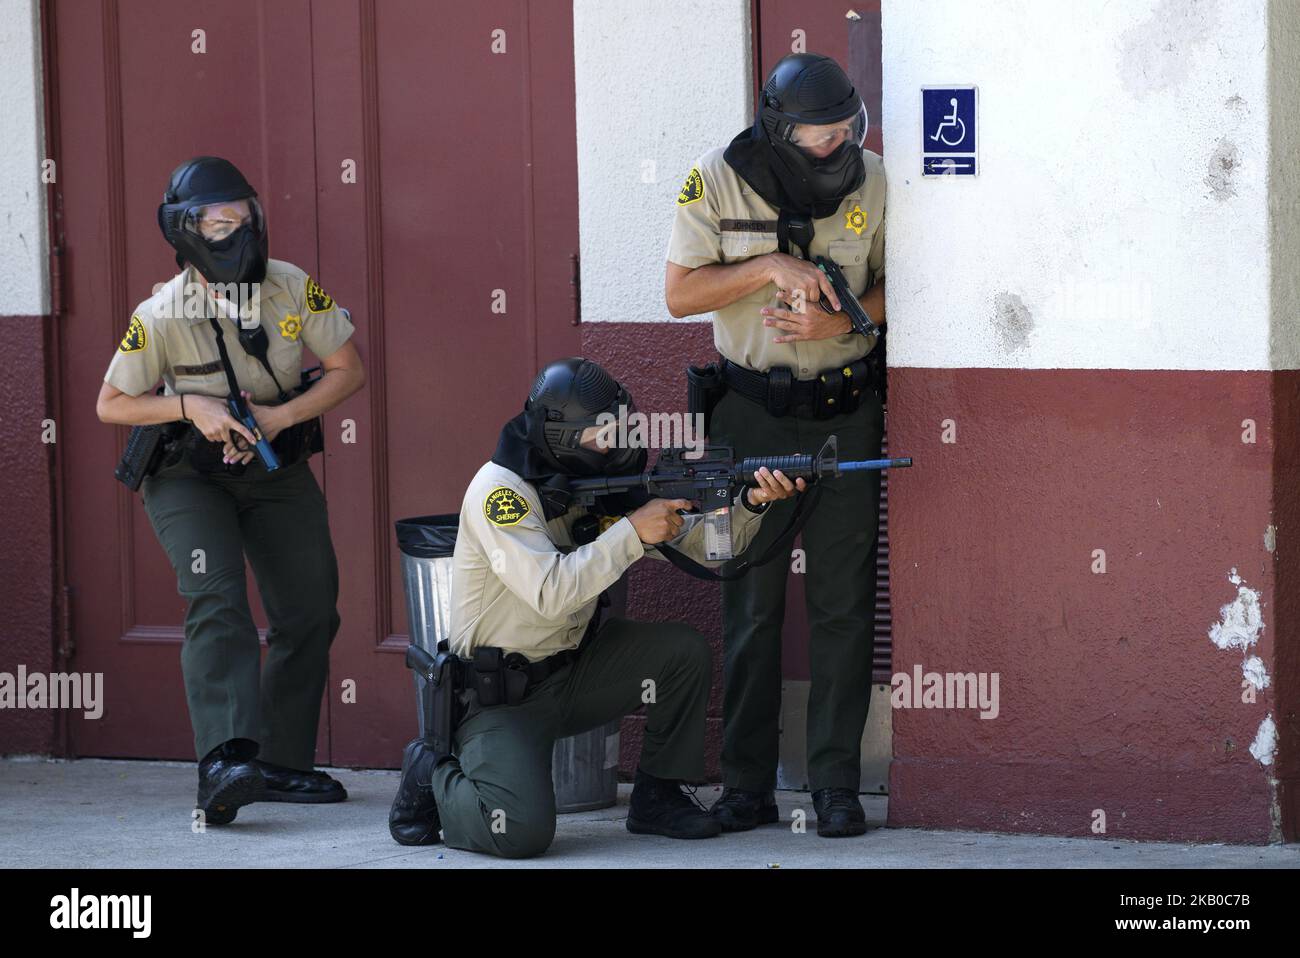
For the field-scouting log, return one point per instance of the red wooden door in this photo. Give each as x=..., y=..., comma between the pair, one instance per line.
x=459, y=124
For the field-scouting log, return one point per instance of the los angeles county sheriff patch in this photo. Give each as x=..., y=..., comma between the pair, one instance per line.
x=692, y=189
x=317, y=299
x=855, y=219
x=291, y=326
x=505, y=507
x=135, y=338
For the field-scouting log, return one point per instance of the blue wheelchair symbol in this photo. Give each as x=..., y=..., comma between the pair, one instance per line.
x=948, y=120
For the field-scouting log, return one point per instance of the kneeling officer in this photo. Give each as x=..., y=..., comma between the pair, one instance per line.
x=527, y=576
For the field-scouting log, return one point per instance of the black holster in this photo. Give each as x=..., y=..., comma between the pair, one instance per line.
x=704, y=387
x=146, y=447
x=440, y=695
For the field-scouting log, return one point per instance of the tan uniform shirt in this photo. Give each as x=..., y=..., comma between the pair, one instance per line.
x=720, y=219
x=170, y=338
x=519, y=583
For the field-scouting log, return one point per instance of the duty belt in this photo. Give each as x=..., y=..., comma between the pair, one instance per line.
x=480, y=670
x=835, y=391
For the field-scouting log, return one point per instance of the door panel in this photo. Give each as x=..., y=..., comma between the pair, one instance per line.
x=465, y=184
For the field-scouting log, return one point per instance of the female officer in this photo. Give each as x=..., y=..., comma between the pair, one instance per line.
x=234, y=323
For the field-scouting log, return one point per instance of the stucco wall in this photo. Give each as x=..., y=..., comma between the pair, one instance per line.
x=653, y=93
x=24, y=284
x=26, y=546
x=1119, y=219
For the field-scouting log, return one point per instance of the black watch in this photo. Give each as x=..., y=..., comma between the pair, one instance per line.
x=757, y=510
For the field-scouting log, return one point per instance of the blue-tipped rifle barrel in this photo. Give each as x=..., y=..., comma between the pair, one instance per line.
x=239, y=410
x=876, y=464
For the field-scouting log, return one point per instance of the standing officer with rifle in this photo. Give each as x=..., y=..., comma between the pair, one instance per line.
x=528, y=570
x=753, y=223
x=220, y=454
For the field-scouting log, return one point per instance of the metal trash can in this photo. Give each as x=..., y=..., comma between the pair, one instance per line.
x=584, y=767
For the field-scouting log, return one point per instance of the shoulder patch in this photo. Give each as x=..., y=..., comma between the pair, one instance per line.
x=692, y=189
x=317, y=299
x=135, y=339
x=505, y=507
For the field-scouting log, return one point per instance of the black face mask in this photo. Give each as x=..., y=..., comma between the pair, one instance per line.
x=239, y=258
x=791, y=180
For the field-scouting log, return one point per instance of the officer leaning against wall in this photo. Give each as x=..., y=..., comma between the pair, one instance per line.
x=750, y=221
x=212, y=501
x=527, y=575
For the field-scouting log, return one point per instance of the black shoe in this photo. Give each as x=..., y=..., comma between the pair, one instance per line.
x=228, y=779
x=739, y=810
x=839, y=813
x=291, y=785
x=413, y=819
x=659, y=807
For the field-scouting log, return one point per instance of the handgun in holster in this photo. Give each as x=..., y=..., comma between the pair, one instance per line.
x=704, y=388
x=439, y=698
x=146, y=447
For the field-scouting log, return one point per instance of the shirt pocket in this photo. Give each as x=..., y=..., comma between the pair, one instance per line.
x=738, y=246
x=286, y=360
x=851, y=257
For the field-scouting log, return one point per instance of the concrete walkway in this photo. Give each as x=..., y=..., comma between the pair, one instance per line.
x=124, y=814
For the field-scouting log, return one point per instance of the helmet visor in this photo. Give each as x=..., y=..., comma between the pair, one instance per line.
x=822, y=139
x=215, y=222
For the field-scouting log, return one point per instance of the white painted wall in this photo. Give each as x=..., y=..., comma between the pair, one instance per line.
x=655, y=89
x=1120, y=218
x=24, y=279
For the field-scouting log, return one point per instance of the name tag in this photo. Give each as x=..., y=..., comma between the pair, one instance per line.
x=747, y=226
x=212, y=367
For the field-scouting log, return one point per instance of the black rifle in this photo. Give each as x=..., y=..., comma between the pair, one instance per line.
x=713, y=479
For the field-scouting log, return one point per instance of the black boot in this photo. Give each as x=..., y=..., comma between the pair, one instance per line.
x=413, y=819
x=311, y=787
x=659, y=807
x=228, y=779
x=839, y=813
x=739, y=810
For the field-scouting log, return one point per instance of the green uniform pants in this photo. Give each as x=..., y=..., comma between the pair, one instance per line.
x=497, y=796
x=839, y=544
x=207, y=524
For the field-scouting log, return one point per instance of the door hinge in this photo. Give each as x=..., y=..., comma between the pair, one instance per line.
x=56, y=281
x=575, y=285
x=66, y=644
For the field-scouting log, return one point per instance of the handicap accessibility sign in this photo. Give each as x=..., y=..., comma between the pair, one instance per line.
x=948, y=137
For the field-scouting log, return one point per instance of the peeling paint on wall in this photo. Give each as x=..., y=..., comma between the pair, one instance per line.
x=1270, y=538
x=1157, y=53
x=1254, y=672
x=1012, y=320
x=1265, y=744
x=1240, y=620
x=1219, y=170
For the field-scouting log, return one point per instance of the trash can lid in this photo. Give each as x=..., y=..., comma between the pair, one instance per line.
x=428, y=537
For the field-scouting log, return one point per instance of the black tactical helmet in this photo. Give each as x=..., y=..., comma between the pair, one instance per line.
x=802, y=89
x=569, y=396
x=240, y=256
